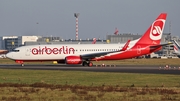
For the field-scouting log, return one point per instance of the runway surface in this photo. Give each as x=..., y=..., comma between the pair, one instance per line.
x=120, y=69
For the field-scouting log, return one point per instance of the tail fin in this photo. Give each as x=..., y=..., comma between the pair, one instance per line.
x=154, y=33
x=94, y=41
x=176, y=46
x=116, y=31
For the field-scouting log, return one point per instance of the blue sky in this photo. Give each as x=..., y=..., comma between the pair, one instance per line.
x=98, y=18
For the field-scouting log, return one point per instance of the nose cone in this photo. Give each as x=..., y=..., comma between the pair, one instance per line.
x=9, y=55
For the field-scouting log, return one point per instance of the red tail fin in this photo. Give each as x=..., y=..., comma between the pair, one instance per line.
x=94, y=41
x=154, y=33
x=116, y=31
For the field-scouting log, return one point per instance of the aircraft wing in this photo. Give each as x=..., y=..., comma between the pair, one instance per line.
x=93, y=55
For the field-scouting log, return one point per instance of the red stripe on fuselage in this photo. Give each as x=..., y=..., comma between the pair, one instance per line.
x=131, y=53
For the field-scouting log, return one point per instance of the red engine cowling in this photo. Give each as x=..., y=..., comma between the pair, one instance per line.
x=73, y=60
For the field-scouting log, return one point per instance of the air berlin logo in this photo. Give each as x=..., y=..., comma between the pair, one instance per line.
x=50, y=51
x=156, y=29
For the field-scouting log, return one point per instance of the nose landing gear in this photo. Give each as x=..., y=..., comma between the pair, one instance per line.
x=20, y=62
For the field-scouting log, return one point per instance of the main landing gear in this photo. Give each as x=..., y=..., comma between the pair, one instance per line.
x=22, y=64
x=87, y=63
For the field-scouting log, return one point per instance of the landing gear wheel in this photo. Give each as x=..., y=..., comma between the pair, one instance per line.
x=90, y=64
x=22, y=65
x=85, y=63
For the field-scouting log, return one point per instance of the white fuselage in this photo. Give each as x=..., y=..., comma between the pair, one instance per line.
x=61, y=51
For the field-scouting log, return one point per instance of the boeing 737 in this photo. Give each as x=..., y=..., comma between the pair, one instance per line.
x=86, y=53
x=176, y=48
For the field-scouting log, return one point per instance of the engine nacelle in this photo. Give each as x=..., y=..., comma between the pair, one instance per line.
x=73, y=60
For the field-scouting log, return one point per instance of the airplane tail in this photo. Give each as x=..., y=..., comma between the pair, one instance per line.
x=94, y=41
x=176, y=46
x=154, y=33
x=116, y=31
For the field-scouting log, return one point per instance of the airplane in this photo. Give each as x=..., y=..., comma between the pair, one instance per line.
x=116, y=31
x=94, y=41
x=3, y=51
x=86, y=53
x=176, y=48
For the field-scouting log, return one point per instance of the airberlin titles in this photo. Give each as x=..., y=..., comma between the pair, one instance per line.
x=55, y=50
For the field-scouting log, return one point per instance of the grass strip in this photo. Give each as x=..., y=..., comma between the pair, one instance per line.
x=88, y=78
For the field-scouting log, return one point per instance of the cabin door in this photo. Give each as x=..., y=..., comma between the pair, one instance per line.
x=138, y=49
x=27, y=52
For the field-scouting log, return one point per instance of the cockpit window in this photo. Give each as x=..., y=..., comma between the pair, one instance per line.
x=15, y=50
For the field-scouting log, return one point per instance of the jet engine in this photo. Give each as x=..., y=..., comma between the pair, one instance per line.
x=73, y=60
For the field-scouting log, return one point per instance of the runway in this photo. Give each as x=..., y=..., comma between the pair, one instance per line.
x=119, y=69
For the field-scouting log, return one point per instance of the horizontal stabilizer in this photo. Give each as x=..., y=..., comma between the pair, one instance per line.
x=160, y=45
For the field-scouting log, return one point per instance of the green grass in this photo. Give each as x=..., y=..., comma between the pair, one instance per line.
x=87, y=78
x=50, y=85
x=87, y=94
x=97, y=78
x=59, y=85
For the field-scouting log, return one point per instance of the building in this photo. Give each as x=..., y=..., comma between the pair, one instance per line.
x=23, y=39
x=11, y=42
x=8, y=42
x=122, y=38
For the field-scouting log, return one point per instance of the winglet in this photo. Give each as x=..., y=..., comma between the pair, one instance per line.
x=125, y=46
